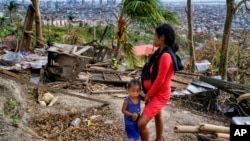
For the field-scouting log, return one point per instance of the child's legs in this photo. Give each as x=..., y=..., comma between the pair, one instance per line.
x=132, y=132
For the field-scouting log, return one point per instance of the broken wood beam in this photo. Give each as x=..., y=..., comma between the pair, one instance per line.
x=52, y=89
x=98, y=65
x=106, y=70
x=186, y=129
x=174, y=80
x=9, y=73
x=188, y=73
x=105, y=81
x=226, y=85
x=109, y=91
x=214, y=128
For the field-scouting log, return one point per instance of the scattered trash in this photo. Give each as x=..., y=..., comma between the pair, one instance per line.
x=108, y=122
x=88, y=122
x=11, y=58
x=94, y=117
x=38, y=64
x=75, y=122
x=24, y=53
x=35, y=80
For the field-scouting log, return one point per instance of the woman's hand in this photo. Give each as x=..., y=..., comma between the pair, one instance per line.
x=147, y=99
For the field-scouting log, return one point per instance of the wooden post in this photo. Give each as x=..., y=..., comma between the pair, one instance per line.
x=39, y=34
x=27, y=29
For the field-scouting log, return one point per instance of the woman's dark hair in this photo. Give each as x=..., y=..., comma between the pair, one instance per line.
x=168, y=32
x=133, y=82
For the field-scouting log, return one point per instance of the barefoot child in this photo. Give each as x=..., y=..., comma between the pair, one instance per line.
x=131, y=109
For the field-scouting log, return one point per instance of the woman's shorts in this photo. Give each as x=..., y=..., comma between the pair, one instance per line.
x=154, y=106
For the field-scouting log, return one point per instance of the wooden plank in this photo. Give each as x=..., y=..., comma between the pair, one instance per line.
x=187, y=73
x=109, y=91
x=179, y=82
x=106, y=71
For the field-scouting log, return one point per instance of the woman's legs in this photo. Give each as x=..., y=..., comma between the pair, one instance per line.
x=159, y=126
x=142, y=124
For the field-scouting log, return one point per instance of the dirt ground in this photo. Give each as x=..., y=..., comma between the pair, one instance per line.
x=97, y=123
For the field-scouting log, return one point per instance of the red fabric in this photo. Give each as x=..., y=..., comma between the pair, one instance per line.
x=159, y=92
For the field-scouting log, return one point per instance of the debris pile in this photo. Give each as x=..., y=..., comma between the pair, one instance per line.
x=94, y=124
x=216, y=132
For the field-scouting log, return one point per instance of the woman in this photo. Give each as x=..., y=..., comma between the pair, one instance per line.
x=156, y=81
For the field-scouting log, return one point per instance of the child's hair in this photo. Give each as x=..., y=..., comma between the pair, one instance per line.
x=132, y=82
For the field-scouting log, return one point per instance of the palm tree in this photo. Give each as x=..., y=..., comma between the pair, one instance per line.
x=71, y=19
x=148, y=13
x=2, y=20
x=12, y=7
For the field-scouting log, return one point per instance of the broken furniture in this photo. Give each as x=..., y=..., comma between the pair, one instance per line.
x=65, y=62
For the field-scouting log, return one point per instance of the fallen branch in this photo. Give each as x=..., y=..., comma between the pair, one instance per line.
x=98, y=65
x=133, y=72
x=109, y=91
x=9, y=73
x=28, y=130
x=242, y=97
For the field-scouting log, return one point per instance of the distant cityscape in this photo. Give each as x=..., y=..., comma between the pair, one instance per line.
x=208, y=16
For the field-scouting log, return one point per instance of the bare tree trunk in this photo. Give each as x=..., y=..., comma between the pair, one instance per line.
x=39, y=34
x=27, y=29
x=122, y=26
x=190, y=36
x=10, y=16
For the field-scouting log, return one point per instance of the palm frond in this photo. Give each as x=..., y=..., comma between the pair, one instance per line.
x=148, y=12
x=128, y=50
x=171, y=17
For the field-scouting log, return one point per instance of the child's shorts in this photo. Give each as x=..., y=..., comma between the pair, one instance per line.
x=132, y=131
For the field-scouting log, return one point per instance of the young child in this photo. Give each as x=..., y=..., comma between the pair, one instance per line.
x=131, y=109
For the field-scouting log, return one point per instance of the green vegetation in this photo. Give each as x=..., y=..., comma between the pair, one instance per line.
x=15, y=118
x=84, y=33
x=11, y=103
